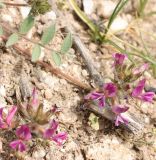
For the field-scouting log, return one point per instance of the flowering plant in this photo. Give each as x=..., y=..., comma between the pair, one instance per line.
x=36, y=122
x=121, y=87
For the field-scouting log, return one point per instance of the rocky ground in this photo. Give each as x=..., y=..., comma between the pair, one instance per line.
x=84, y=143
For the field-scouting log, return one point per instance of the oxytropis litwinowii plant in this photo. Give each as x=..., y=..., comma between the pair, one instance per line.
x=127, y=83
x=37, y=124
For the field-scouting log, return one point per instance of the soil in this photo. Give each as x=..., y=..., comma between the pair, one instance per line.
x=84, y=143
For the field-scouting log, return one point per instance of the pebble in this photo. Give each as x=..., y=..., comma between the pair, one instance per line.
x=40, y=153
x=93, y=47
x=105, y=8
x=25, y=11
x=88, y=6
x=84, y=73
x=49, y=16
x=2, y=91
x=6, y=17
x=119, y=24
x=48, y=94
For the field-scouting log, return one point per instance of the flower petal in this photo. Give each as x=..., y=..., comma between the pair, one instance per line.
x=120, y=119
x=18, y=144
x=11, y=115
x=119, y=59
x=60, y=138
x=141, y=69
x=23, y=132
x=110, y=89
x=93, y=95
x=34, y=97
x=139, y=88
x=147, y=97
x=101, y=102
x=119, y=109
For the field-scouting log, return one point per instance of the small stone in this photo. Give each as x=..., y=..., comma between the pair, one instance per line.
x=106, y=8
x=25, y=11
x=2, y=91
x=40, y=153
x=84, y=73
x=49, y=16
x=88, y=6
x=48, y=94
x=147, y=120
x=6, y=17
x=118, y=24
x=93, y=47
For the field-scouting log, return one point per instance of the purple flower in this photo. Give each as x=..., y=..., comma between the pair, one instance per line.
x=119, y=59
x=118, y=110
x=18, y=144
x=141, y=69
x=147, y=97
x=51, y=134
x=23, y=133
x=60, y=138
x=137, y=92
x=50, y=131
x=98, y=97
x=5, y=123
x=11, y=115
x=110, y=89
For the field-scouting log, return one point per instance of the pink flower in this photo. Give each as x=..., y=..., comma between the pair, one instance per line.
x=51, y=134
x=35, y=101
x=23, y=133
x=18, y=144
x=98, y=97
x=118, y=110
x=6, y=122
x=119, y=59
x=109, y=90
x=137, y=92
x=141, y=69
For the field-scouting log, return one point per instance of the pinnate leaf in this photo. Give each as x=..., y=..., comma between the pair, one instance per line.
x=27, y=24
x=56, y=57
x=12, y=39
x=36, y=52
x=67, y=43
x=48, y=34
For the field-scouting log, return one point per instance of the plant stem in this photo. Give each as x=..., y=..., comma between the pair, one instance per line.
x=15, y=4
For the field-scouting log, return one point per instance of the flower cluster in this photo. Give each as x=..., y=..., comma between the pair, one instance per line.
x=121, y=87
x=36, y=121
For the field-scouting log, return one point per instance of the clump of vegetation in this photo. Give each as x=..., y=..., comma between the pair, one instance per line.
x=118, y=93
x=35, y=124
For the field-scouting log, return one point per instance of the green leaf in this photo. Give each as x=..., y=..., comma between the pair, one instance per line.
x=36, y=52
x=48, y=35
x=93, y=121
x=2, y=5
x=56, y=57
x=26, y=25
x=67, y=43
x=1, y=31
x=12, y=39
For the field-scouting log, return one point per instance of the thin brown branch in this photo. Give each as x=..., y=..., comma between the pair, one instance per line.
x=51, y=68
x=15, y=4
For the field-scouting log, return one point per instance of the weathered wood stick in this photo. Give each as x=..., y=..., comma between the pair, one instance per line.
x=135, y=124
